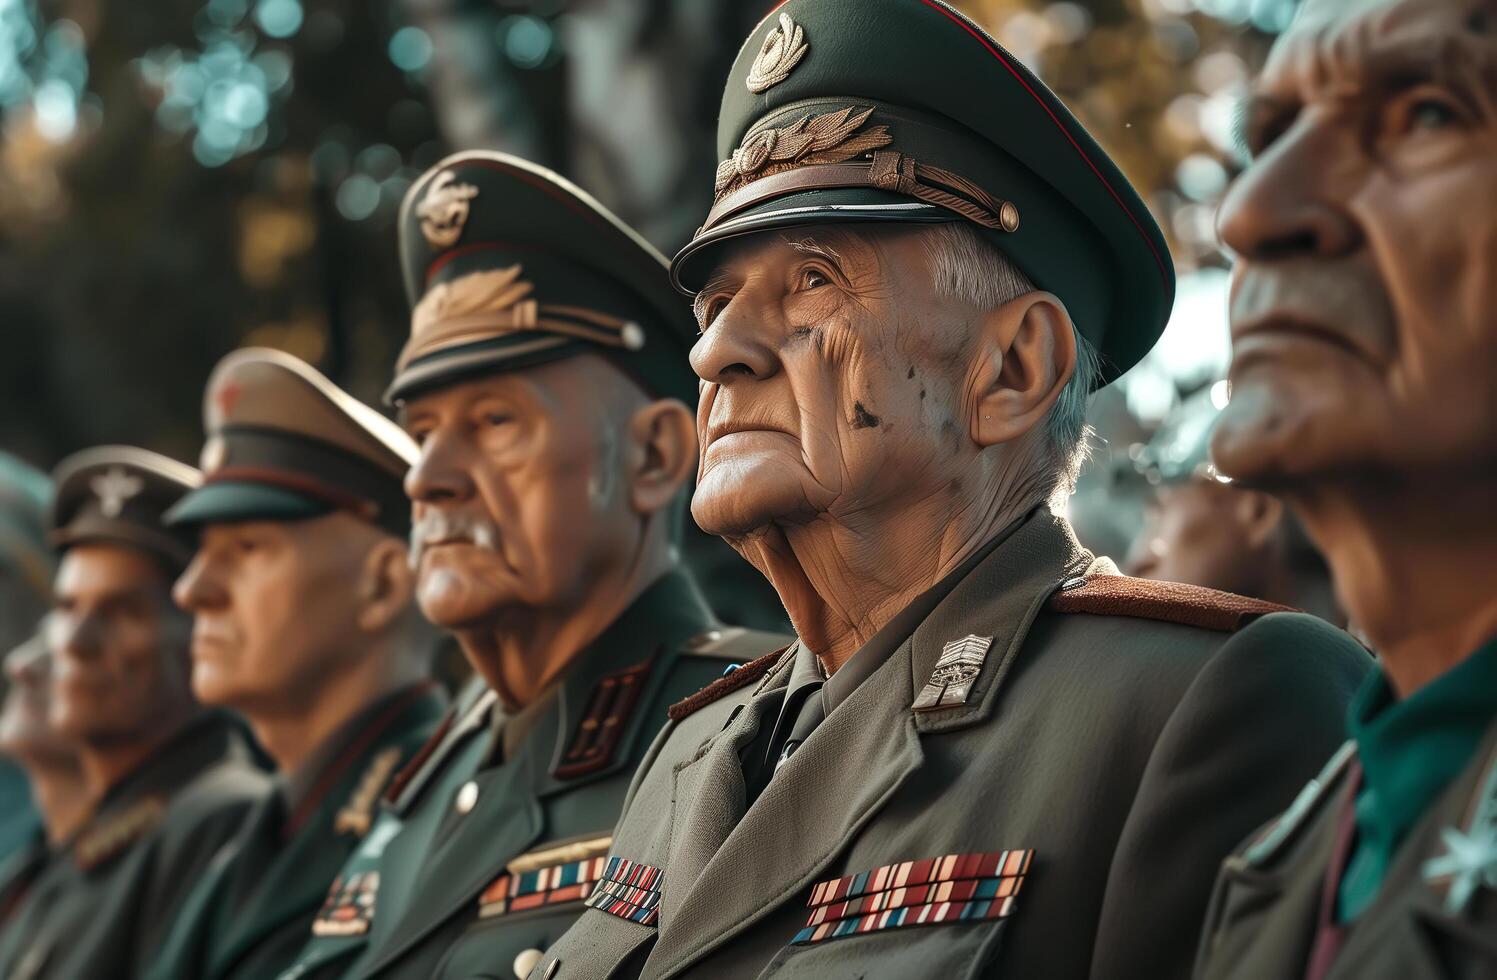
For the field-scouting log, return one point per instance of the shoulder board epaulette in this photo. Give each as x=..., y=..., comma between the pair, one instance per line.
x=114, y=834
x=725, y=685
x=1171, y=602
x=597, y=734
x=733, y=643
x=1267, y=842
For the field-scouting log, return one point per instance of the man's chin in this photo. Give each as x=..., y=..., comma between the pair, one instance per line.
x=1274, y=439
x=733, y=509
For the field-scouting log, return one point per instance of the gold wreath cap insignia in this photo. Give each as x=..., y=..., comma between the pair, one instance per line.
x=444, y=210
x=782, y=50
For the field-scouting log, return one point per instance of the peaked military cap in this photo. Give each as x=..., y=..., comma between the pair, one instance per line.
x=285, y=443
x=508, y=265
x=904, y=110
x=118, y=495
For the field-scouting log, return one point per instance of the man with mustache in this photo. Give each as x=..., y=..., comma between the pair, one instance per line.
x=50, y=763
x=544, y=382
x=169, y=781
x=988, y=754
x=305, y=625
x=1364, y=371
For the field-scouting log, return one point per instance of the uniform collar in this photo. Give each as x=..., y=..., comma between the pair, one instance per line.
x=1412, y=749
x=304, y=789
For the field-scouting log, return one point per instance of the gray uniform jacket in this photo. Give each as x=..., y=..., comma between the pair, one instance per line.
x=1063, y=820
x=101, y=908
x=491, y=841
x=1434, y=918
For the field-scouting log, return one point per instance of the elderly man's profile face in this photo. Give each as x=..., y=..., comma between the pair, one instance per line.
x=1363, y=325
x=276, y=608
x=519, y=492
x=834, y=378
x=120, y=668
x=25, y=731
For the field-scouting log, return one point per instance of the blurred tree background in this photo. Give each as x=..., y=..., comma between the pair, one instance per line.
x=181, y=177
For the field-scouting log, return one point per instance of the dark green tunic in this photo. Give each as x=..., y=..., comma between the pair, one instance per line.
x=102, y=909
x=250, y=914
x=539, y=790
x=1109, y=750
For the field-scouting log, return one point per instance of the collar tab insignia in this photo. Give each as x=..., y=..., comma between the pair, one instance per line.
x=114, y=488
x=950, y=684
x=114, y=835
x=444, y=210
x=783, y=48
x=357, y=814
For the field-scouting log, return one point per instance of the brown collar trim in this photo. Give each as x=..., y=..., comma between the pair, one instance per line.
x=723, y=686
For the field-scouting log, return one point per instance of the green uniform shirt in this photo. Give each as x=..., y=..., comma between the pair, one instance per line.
x=1410, y=751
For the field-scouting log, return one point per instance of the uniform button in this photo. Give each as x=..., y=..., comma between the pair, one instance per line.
x=467, y=797
x=526, y=962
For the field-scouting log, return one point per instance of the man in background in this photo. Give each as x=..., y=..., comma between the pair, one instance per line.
x=304, y=624
x=169, y=781
x=1202, y=528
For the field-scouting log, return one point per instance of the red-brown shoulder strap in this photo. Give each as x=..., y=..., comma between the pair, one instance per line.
x=1173, y=602
x=723, y=686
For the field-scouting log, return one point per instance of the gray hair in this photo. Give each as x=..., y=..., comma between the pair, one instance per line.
x=969, y=267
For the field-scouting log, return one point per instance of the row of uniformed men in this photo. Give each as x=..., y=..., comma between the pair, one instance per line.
x=985, y=753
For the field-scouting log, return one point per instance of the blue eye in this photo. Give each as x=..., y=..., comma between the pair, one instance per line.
x=1430, y=114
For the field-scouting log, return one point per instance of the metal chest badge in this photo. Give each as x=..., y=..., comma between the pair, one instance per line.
x=444, y=210
x=951, y=682
x=1470, y=859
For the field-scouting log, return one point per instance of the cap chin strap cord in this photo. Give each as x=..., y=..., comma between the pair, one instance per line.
x=885, y=170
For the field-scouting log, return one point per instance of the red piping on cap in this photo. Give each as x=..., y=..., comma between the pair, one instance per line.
x=340, y=499
x=1163, y=269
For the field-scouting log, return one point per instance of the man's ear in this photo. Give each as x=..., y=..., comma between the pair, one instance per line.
x=1026, y=352
x=663, y=434
x=1260, y=515
x=386, y=584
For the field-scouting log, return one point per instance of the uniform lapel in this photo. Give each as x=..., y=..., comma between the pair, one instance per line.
x=464, y=856
x=1411, y=891
x=852, y=764
x=710, y=790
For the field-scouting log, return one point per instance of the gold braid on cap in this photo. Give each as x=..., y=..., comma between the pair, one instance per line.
x=822, y=152
x=495, y=302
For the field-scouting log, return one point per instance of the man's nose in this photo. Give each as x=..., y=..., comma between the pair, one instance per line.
x=198, y=588
x=739, y=344
x=1289, y=202
x=26, y=665
x=75, y=635
x=441, y=471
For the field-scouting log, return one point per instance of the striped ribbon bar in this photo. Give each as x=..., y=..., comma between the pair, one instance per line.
x=550, y=885
x=629, y=890
x=953, y=888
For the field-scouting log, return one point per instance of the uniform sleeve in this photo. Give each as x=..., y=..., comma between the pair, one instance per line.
x=1255, y=725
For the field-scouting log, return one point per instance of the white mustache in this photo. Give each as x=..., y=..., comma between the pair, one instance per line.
x=437, y=526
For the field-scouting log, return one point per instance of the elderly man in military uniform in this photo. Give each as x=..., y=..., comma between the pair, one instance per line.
x=988, y=753
x=50, y=763
x=170, y=780
x=1364, y=366
x=544, y=382
x=1203, y=528
x=305, y=624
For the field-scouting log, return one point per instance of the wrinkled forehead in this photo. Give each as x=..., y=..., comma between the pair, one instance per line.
x=1335, y=42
